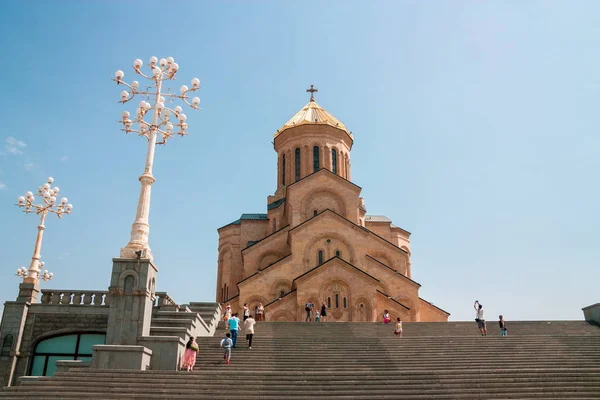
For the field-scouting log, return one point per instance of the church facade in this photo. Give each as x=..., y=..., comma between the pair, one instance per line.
x=316, y=243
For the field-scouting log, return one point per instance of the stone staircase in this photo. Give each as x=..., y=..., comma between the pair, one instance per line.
x=538, y=360
x=195, y=319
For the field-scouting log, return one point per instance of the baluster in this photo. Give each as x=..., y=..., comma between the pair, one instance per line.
x=106, y=297
x=77, y=297
x=56, y=298
x=87, y=300
x=46, y=297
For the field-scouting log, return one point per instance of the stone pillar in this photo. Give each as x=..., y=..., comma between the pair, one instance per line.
x=11, y=332
x=327, y=158
x=306, y=161
x=132, y=292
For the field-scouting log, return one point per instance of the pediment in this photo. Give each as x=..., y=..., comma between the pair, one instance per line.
x=339, y=264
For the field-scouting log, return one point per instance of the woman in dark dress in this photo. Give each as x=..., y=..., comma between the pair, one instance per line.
x=323, y=312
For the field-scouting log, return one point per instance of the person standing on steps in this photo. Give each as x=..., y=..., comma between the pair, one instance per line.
x=227, y=315
x=246, y=311
x=308, y=308
x=249, y=329
x=226, y=344
x=398, y=330
x=234, y=325
x=317, y=316
x=480, y=318
x=323, y=311
x=502, y=323
x=189, y=356
x=260, y=312
x=386, y=317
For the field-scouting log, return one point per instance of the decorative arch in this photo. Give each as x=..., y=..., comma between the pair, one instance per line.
x=123, y=279
x=363, y=310
x=347, y=252
x=282, y=316
x=267, y=258
x=408, y=302
x=253, y=303
x=278, y=286
x=321, y=199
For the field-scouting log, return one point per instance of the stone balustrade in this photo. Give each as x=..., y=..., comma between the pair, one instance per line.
x=163, y=299
x=75, y=297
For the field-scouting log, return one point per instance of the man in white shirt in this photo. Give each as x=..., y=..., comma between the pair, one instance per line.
x=249, y=329
x=480, y=318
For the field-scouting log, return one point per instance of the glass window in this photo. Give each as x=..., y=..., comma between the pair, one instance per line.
x=87, y=341
x=345, y=303
x=315, y=213
x=316, y=164
x=297, y=164
x=61, y=344
x=66, y=347
x=337, y=301
x=334, y=161
x=337, y=253
x=329, y=302
x=320, y=255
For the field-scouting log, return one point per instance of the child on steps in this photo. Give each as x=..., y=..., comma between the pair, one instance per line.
x=226, y=344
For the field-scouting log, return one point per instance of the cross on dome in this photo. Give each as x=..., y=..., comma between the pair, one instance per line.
x=312, y=91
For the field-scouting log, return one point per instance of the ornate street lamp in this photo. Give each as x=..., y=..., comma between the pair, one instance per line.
x=163, y=121
x=48, y=205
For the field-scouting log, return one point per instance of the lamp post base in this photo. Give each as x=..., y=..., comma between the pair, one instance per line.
x=131, y=252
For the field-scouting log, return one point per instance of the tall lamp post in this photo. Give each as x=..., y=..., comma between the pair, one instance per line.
x=153, y=120
x=48, y=205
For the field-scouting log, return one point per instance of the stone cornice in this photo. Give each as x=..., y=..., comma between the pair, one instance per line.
x=280, y=298
x=323, y=171
x=395, y=272
x=263, y=270
x=262, y=241
x=330, y=262
x=392, y=299
x=433, y=305
x=357, y=227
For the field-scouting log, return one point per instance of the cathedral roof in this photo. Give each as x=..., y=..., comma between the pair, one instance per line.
x=312, y=113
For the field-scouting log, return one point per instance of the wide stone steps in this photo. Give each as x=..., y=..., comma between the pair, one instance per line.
x=360, y=361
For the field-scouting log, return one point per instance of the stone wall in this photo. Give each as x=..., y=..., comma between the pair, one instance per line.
x=44, y=320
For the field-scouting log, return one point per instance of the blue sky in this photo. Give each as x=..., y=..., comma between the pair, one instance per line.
x=476, y=129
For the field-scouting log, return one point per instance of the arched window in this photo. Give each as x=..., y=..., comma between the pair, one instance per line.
x=345, y=303
x=334, y=161
x=337, y=253
x=282, y=293
x=297, y=164
x=337, y=300
x=320, y=256
x=316, y=164
x=7, y=343
x=315, y=213
x=75, y=346
x=329, y=302
x=283, y=169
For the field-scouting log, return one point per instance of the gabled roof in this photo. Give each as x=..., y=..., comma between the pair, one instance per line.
x=394, y=271
x=264, y=269
x=327, y=263
x=377, y=218
x=252, y=217
x=275, y=204
x=312, y=113
x=328, y=172
x=280, y=298
x=392, y=299
x=349, y=222
x=253, y=242
x=433, y=305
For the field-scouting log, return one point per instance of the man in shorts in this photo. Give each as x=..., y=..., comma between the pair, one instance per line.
x=480, y=318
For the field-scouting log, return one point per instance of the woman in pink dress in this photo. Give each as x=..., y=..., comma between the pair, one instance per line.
x=189, y=357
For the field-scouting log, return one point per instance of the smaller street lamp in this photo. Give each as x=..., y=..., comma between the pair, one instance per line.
x=48, y=204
